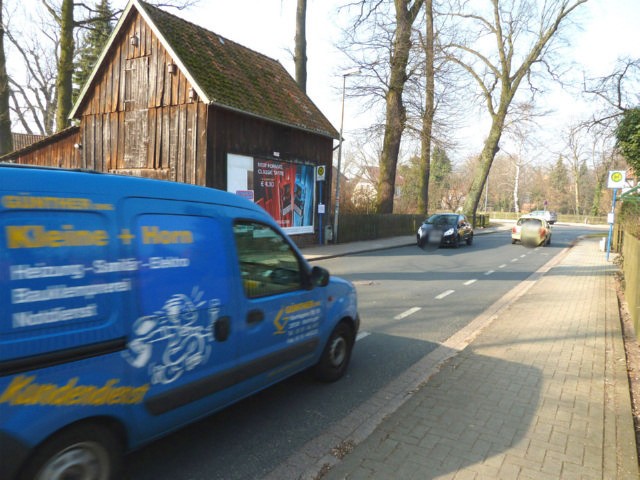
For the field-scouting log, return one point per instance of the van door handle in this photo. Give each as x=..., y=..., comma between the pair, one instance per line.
x=222, y=329
x=255, y=316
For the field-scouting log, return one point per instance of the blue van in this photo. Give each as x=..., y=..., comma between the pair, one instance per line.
x=131, y=307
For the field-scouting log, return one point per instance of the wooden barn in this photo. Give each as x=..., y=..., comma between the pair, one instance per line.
x=171, y=100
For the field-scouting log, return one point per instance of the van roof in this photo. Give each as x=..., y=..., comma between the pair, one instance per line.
x=78, y=181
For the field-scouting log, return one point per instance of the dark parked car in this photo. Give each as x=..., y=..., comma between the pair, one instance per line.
x=445, y=229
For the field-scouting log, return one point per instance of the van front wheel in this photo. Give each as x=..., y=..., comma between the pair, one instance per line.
x=85, y=452
x=336, y=354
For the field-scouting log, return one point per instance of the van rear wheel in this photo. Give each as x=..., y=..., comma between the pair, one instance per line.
x=84, y=452
x=336, y=354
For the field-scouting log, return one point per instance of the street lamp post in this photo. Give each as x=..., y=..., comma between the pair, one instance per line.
x=337, y=205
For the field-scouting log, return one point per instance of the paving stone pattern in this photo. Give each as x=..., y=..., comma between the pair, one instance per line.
x=541, y=393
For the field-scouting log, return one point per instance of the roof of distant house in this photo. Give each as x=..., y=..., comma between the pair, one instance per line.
x=227, y=74
x=23, y=140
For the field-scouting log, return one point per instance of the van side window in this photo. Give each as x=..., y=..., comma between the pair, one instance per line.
x=268, y=264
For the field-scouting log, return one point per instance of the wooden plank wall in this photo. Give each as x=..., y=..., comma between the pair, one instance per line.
x=174, y=137
x=59, y=153
x=230, y=132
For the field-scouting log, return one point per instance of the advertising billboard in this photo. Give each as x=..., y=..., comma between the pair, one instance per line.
x=286, y=190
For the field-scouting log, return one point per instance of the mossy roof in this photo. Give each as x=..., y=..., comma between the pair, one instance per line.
x=236, y=77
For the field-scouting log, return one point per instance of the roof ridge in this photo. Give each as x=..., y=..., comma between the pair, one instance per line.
x=200, y=27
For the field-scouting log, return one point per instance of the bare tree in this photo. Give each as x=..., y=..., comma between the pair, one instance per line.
x=521, y=130
x=617, y=92
x=575, y=153
x=429, y=107
x=405, y=14
x=380, y=44
x=64, y=81
x=522, y=36
x=6, y=141
x=432, y=96
x=32, y=95
x=300, y=57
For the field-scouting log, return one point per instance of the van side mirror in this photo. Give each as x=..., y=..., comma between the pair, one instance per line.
x=319, y=277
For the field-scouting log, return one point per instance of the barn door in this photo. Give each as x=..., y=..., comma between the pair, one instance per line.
x=136, y=120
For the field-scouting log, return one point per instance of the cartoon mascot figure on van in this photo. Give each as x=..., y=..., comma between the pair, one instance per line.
x=175, y=339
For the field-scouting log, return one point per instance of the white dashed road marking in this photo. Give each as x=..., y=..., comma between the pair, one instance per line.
x=406, y=313
x=469, y=282
x=444, y=294
x=362, y=335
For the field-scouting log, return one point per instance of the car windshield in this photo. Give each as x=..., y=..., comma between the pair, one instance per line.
x=441, y=220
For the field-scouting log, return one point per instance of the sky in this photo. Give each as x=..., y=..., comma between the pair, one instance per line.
x=609, y=29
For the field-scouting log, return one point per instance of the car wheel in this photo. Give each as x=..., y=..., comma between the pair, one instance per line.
x=421, y=241
x=469, y=240
x=84, y=452
x=336, y=354
x=513, y=242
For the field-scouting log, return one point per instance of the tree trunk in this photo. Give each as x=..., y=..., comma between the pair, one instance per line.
x=300, y=56
x=393, y=129
x=516, y=187
x=489, y=152
x=395, y=110
x=64, y=84
x=429, y=110
x=576, y=187
x=6, y=142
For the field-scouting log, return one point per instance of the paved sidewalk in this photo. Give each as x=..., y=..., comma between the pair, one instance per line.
x=535, y=388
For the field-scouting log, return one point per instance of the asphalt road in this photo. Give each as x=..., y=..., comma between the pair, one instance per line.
x=410, y=300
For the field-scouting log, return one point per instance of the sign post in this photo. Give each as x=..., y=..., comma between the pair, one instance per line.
x=615, y=181
x=320, y=175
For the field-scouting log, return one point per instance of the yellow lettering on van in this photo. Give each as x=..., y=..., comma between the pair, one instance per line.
x=23, y=390
x=279, y=324
x=282, y=317
x=47, y=203
x=302, y=306
x=155, y=236
x=37, y=236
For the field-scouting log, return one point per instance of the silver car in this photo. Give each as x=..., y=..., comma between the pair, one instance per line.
x=548, y=215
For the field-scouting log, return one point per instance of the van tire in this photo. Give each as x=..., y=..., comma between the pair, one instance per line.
x=336, y=354
x=91, y=448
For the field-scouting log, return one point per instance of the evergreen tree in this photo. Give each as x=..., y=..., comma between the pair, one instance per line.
x=559, y=192
x=559, y=176
x=628, y=137
x=440, y=167
x=440, y=178
x=98, y=32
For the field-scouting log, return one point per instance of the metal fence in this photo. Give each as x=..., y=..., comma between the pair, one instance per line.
x=355, y=227
x=631, y=270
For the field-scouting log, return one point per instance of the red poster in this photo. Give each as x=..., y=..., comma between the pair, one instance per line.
x=274, y=185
